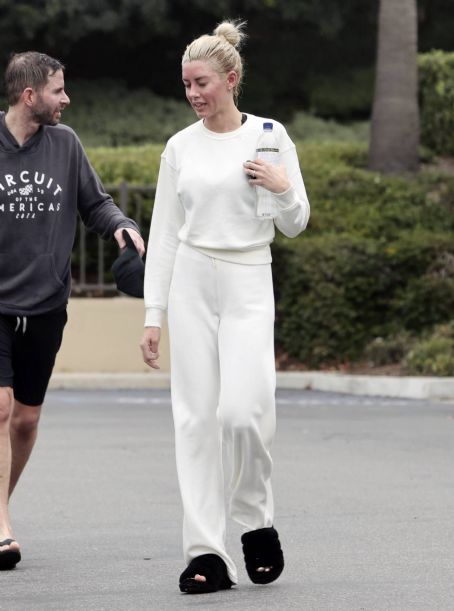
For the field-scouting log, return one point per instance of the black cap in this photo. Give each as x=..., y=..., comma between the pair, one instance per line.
x=129, y=269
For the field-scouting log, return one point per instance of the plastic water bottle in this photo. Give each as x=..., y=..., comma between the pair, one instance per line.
x=268, y=150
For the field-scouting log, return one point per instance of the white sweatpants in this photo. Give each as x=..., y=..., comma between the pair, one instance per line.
x=221, y=325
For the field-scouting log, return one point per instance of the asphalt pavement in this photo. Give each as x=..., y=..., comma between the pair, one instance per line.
x=364, y=505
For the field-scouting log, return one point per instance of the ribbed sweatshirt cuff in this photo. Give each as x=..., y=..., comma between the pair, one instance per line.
x=154, y=317
x=287, y=199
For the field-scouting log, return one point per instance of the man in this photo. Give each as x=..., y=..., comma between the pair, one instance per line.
x=45, y=180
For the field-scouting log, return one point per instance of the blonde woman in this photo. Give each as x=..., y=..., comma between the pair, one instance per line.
x=208, y=266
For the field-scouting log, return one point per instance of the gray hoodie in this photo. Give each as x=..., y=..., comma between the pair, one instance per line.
x=43, y=185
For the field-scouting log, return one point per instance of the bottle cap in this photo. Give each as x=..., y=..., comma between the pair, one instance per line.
x=268, y=126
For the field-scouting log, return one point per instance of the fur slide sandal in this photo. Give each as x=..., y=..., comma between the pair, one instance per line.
x=213, y=568
x=262, y=548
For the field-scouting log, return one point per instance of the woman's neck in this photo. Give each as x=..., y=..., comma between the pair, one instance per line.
x=224, y=123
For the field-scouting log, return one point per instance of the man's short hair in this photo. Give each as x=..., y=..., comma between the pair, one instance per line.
x=29, y=69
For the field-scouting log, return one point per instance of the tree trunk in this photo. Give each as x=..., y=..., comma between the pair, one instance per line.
x=395, y=116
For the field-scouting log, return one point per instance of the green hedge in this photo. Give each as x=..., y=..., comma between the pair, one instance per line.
x=436, y=92
x=336, y=293
x=433, y=354
x=132, y=164
x=106, y=113
x=306, y=127
x=377, y=260
x=342, y=94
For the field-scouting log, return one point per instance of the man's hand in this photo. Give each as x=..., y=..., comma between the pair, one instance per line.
x=135, y=237
x=150, y=345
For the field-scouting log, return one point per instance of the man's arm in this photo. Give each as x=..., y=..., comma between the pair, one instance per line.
x=98, y=210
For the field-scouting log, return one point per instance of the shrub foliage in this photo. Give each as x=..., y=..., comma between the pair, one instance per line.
x=377, y=260
x=436, y=86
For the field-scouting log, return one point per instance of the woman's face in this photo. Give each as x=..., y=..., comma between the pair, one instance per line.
x=208, y=92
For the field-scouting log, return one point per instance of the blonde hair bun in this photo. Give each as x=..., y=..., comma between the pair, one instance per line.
x=220, y=49
x=232, y=31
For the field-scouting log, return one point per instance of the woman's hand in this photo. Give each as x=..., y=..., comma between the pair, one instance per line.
x=149, y=346
x=271, y=177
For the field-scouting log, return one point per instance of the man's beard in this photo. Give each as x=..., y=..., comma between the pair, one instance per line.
x=43, y=115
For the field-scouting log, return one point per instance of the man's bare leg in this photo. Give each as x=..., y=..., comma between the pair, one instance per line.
x=23, y=433
x=6, y=409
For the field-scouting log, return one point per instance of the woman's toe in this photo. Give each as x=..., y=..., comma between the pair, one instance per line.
x=201, y=578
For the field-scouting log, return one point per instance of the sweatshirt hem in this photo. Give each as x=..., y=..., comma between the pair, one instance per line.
x=256, y=256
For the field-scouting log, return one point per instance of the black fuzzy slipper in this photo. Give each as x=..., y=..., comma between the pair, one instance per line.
x=262, y=548
x=9, y=557
x=213, y=568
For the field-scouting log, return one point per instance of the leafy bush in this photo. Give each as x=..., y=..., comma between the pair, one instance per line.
x=136, y=166
x=106, y=113
x=423, y=267
x=388, y=350
x=376, y=261
x=348, y=198
x=332, y=295
x=434, y=353
x=306, y=127
x=436, y=92
x=335, y=293
x=343, y=94
x=132, y=164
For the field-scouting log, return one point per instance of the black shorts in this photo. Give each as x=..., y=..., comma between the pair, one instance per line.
x=28, y=347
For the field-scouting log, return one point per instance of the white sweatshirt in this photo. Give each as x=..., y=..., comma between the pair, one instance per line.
x=204, y=199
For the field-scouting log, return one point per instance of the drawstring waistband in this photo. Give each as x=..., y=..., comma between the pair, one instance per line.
x=24, y=324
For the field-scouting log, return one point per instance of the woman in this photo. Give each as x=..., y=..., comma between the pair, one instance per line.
x=208, y=264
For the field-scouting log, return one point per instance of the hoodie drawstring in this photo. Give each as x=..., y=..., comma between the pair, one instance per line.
x=24, y=324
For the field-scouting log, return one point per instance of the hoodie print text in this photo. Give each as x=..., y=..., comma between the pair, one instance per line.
x=28, y=194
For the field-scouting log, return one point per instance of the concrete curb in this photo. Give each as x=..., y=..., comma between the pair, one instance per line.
x=386, y=386
x=109, y=381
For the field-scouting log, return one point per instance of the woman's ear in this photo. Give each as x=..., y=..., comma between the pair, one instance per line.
x=232, y=79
